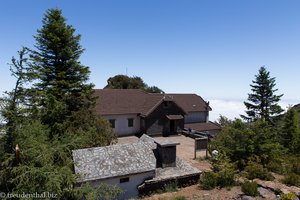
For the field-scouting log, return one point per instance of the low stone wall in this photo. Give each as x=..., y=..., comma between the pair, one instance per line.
x=150, y=186
x=183, y=175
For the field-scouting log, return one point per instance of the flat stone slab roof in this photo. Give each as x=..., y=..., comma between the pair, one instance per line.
x=113, y=161
x=164, y=142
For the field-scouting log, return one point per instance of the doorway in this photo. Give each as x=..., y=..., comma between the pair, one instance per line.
x=172, y=126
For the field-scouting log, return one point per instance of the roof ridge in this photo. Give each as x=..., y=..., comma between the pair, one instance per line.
x=138, y=101
x=180, y=93
x=119, y=89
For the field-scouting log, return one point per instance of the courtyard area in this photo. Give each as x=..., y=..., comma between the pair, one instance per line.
x=185, y=150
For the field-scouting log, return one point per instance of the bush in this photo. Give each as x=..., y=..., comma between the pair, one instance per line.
x=276, y=167
x=180, y=198
x=292, y=179
x=295, y=165
x=289, y=196
x=250, y=188
x=223, y=178
x=256, y=170
x=171, y=187
x=208, y=180
x=103, y=191
x=225, y=170
x=226, y=177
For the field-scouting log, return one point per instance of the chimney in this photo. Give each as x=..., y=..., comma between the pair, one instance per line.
x=166, y=152
x=207, y=105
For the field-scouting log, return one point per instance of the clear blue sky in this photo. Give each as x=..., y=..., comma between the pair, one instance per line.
x=212, y=48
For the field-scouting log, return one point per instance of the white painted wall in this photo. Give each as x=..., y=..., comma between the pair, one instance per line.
x=193, y=117
x=121, y=124
x=130, y=188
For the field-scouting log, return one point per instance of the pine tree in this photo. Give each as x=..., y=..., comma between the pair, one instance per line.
x=64, y=106
x=262, y=103
x=12, y=105
x=290, y=134
x=62, y=79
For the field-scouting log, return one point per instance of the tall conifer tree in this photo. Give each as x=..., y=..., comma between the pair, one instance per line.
x=62, y=79
x=63, y=101
x=262, y=103
x=12, y=105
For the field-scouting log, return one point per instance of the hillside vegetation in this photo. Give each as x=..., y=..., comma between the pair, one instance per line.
x=268, y=141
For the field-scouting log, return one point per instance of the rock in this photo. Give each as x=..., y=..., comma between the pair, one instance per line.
x=278, y=186
x=266, y=193
x=245, y=197
x=263, y=192
x=285, y=191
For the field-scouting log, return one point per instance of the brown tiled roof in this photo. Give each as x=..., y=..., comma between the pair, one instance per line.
x=129, y=101
x=190, y=102
x=205, y=126
x=135, y=101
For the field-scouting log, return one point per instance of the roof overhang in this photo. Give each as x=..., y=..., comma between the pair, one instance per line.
x=174, y=117
x=160, y=102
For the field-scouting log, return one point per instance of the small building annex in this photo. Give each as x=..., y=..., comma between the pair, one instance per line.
x=137, y=168
x=126, y=165
x=136, y=112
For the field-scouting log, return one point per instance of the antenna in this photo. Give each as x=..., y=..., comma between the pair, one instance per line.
x=126, y=72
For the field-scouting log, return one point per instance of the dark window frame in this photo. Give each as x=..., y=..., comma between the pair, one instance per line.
x=130, y=122
x=112, y=123
x=124, y=180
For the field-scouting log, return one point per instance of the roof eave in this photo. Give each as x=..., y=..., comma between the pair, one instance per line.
x=110, y=177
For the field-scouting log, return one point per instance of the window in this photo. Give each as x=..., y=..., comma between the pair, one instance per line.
x=166, y=104
x=124, y=180
x=130, y=122
x=112, y=122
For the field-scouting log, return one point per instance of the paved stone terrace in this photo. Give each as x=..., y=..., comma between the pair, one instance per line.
x=185, y=155
x=185, y=150
x=181, y=169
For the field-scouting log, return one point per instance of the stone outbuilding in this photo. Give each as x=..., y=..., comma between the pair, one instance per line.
x=137, y=168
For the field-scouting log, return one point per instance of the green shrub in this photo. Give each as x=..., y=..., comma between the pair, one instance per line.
x=226, y=177
x=276, y=167
x=180, y=198
x=296, y=165
x=103, y=191
x=292, y=179
x=171, y=187
x=288, y=196
x=225, y=170
x=208, y=180
x=250, y=188
x=256, y=170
